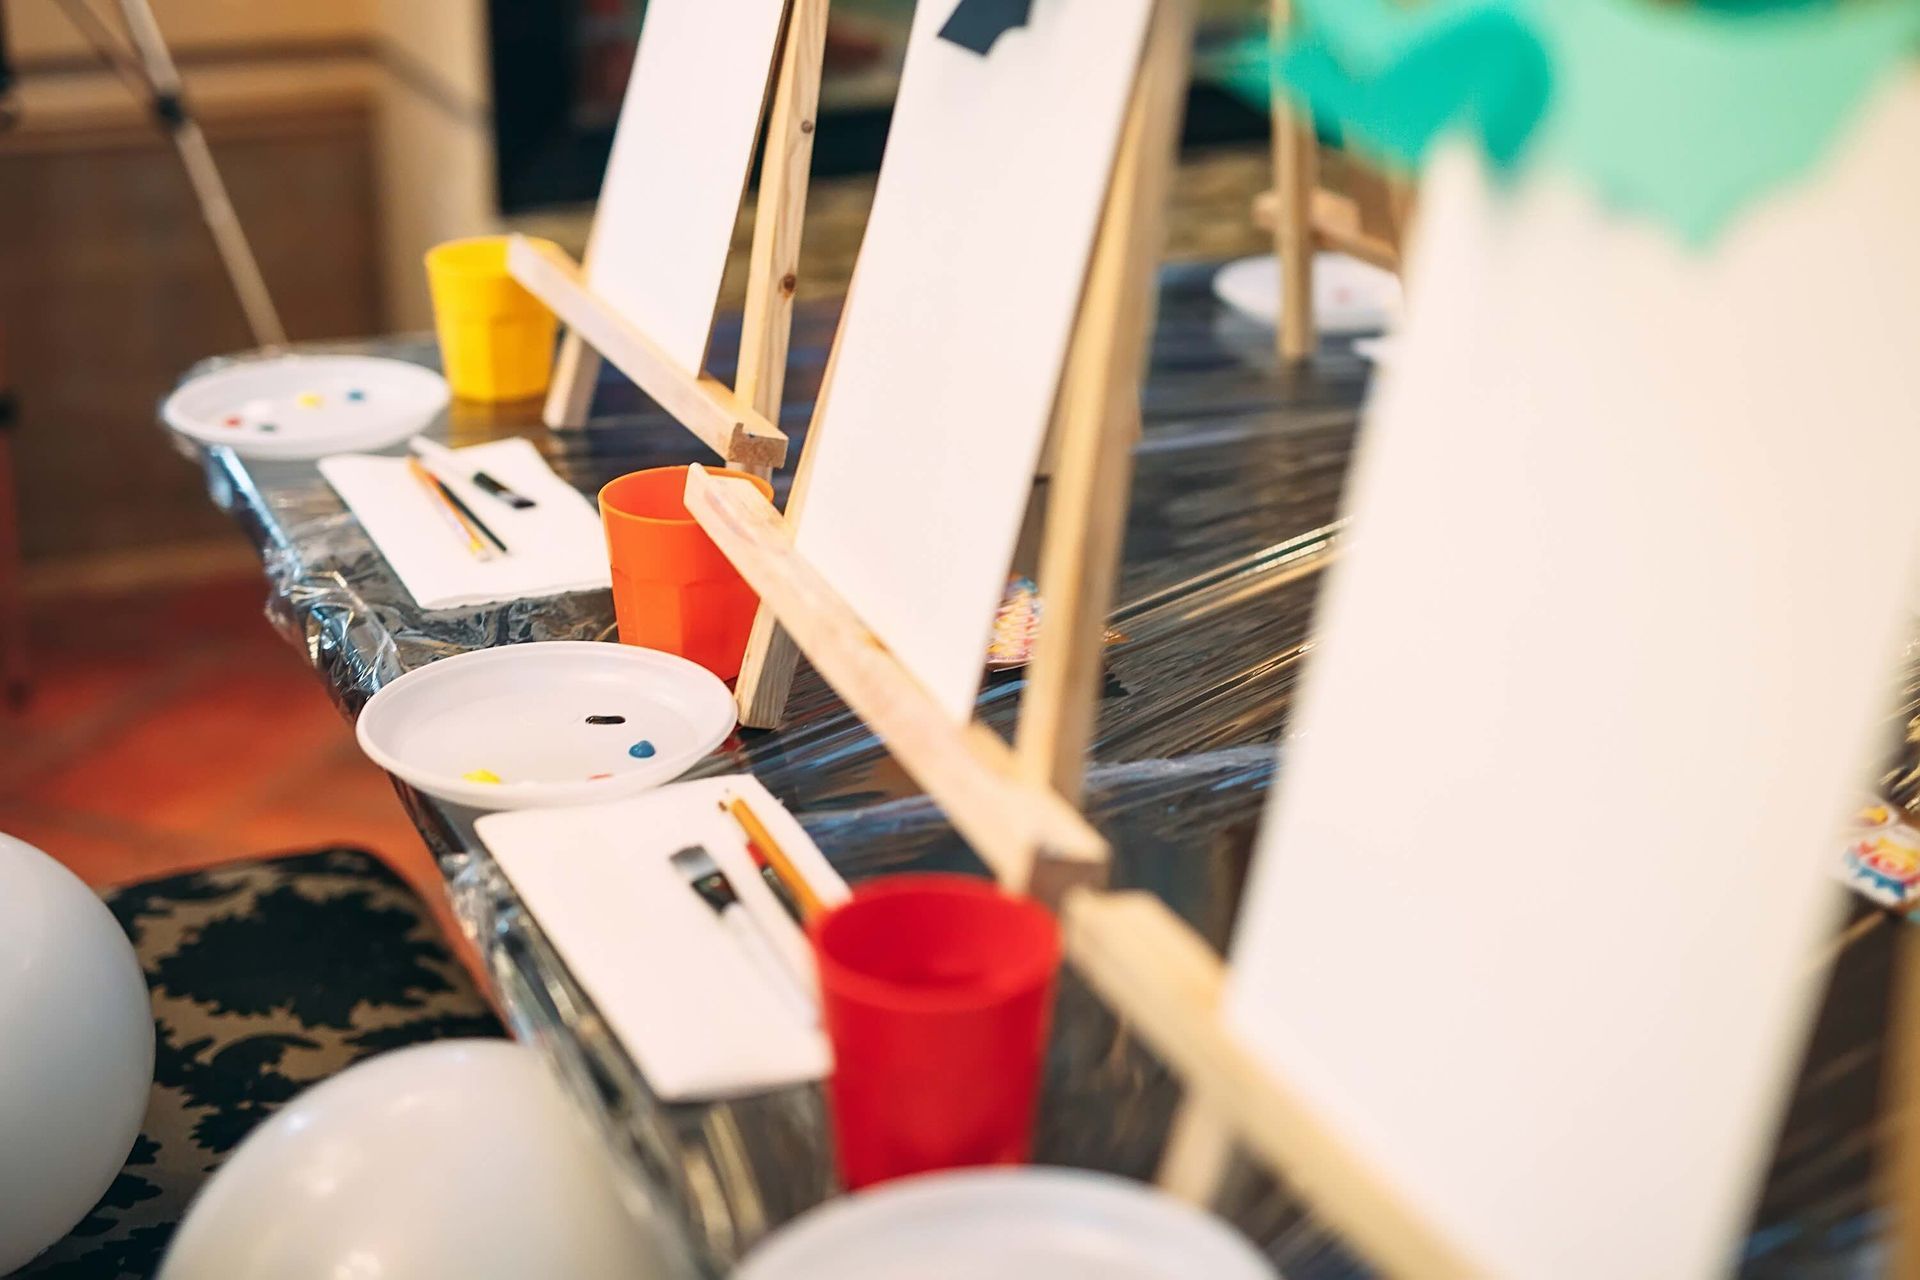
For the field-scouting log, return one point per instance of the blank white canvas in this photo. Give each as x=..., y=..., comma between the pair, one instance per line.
x=951, y=349
x=681, y=155
x=1537, y=913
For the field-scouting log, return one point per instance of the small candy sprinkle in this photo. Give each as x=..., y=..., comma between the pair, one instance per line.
x=641, y=750
x=309, y=400
x=606, y=719
x=598, y=777
x=356, y=394
x=480, y=775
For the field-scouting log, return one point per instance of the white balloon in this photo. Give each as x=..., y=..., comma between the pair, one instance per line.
x=464, y=1160
x=76, y=1050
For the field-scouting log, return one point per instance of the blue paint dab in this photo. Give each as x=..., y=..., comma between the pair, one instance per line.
x=356, y=394
x=641, y=750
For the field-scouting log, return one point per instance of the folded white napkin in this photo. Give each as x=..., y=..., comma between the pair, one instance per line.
x=553, y=547
x=709, y=1005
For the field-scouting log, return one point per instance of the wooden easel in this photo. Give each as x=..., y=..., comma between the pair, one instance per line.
x=1016, y=806
x=1306, y=217
x=740, y=422
x=1166, y=985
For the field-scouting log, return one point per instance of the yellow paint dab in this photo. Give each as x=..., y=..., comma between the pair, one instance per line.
x=480, y=775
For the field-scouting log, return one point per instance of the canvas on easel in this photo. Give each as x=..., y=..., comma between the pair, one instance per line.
x=1532, y=1009
x=1003, y=292
x=681, y=155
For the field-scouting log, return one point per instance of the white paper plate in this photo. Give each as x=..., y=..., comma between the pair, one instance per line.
x=1007, y=1224
x=1349, y=296
x=520, y=712
x=307, y=406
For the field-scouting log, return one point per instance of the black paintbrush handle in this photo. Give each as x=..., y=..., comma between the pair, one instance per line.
x=467, y=511
x=487, y=484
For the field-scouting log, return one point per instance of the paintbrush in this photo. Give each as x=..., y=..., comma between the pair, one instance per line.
x=472, y=521
x=710, y=883
x=437, y=499
x=434, y=451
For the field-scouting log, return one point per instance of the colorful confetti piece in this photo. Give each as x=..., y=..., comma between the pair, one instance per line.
x=480, y=775
x=1016, y=626
x=641, y=750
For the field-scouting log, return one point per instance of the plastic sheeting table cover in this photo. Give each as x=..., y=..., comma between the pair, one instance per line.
x=1238, y=477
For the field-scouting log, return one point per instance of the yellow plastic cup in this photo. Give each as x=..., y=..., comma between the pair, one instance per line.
x=496, y=339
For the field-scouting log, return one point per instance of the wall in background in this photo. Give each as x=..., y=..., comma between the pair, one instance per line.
x=352, y=134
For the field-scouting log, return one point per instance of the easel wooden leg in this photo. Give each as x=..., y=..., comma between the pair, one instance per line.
x=1199, y=1151
x=766, y=672
x=576, y=370
x=1294, y=161
x=774, y=261
x=1162, y=979
x=1098, y=420
x=772, y=657
x=965, y=769
x=209, y=190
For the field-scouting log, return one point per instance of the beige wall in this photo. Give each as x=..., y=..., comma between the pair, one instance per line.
x=41, y=31
x=435, y=139
x=417, y=67
x=352, y=135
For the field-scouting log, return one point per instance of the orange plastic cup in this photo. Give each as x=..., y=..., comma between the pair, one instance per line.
x=672, y=588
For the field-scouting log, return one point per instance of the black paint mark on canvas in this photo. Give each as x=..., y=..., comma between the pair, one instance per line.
x=976, y=24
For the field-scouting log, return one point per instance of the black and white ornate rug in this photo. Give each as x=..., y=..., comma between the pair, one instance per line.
x=266, y=977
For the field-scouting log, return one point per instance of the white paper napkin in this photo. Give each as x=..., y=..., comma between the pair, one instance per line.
x=705, y=1012
x=554, y=546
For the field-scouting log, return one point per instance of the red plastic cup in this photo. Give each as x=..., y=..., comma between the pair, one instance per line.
x=937, y=991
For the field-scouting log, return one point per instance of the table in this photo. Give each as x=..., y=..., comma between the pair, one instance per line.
x=1238, y=477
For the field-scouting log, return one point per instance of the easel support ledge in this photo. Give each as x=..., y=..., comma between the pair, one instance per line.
x=1028, y=834
x=1166, y=985
x=707, y=407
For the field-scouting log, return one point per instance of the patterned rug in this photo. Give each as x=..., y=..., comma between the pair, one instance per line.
x=266, y=977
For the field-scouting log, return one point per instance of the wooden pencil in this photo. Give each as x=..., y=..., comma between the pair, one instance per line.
x=760, y=838
x=451, y=517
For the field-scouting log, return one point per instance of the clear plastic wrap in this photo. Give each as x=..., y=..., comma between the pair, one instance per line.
x=1237, y=485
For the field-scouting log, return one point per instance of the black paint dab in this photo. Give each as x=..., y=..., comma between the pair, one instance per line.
x=975, y=25
x=606, y=719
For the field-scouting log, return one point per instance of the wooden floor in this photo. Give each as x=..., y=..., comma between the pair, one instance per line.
x=174, y=728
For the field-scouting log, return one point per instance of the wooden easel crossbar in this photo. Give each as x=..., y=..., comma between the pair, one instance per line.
x=738, y=423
